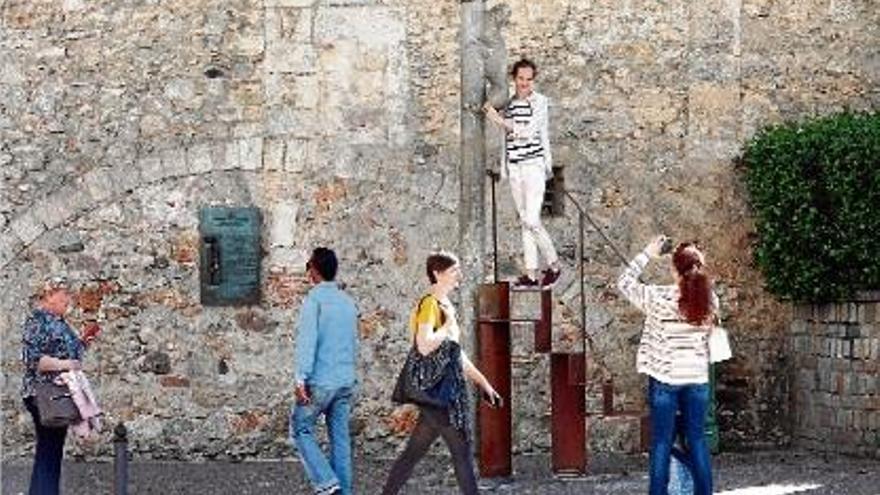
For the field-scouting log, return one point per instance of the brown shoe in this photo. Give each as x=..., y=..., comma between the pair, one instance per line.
x=550, y=277
x=525, y=281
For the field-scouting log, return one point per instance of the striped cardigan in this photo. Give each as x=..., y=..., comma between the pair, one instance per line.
x=671, y=350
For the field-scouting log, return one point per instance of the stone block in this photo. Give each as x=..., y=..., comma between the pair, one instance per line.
x=66, y=241
x=273, y=154
x=308, y=92
x=852, y=331
x=525, y=305
x=853, y=311
x=10, y=246
x=373, y=27
x=710, y=66
x=27, y=227
x=297, y=58
x=299, y=154
x=231, y=156
x=156, y=362
x=251, y=153
x=713, y=124
x=243, y=130
x=126, y=178
x=870, y=312
x=654, y=108
x=252, y=321
x=825, y=313
x=282, y=230
x=99, y=184
x=284, y=24
x=55, y=210
x=152, y=168
x=277, y=89
x=801, y=313
x=199, y=158
x=174, y=162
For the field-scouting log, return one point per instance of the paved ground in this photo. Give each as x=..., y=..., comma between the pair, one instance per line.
x=734, y=473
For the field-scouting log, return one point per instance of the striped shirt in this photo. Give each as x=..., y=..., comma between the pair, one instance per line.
x=520, y=145
x=671, y=350
x=529, y=143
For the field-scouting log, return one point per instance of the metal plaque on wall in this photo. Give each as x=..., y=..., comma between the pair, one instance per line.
x=230, y=255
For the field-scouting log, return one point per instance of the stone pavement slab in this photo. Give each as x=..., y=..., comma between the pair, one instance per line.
x=734, y=474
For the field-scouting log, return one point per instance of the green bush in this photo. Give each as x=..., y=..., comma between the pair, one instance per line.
x=815, y=190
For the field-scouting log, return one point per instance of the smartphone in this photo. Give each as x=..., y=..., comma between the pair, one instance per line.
x=666, y=247
x=495, y=402
x=90, y=331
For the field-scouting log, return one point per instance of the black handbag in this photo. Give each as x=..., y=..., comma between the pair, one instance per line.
x=428, y=380
x=55, y=405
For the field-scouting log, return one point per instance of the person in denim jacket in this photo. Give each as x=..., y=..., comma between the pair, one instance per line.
x=326, y=350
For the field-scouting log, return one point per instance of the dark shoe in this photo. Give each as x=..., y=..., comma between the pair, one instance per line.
x=526, y=281
x=550, y=277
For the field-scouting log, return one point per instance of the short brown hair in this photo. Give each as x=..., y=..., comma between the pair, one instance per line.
x=523, y=63
x=437, y=262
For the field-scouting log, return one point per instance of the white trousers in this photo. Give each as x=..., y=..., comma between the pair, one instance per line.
x=527, y=187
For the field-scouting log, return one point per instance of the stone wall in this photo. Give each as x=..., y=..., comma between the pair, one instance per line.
x=836, y=386
x=339, y=119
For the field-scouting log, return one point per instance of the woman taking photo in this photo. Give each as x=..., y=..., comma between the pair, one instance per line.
x=49, y=347
x=674, y=353
x=433, y=326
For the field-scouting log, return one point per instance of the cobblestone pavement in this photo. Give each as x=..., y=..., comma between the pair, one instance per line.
x=734, y=473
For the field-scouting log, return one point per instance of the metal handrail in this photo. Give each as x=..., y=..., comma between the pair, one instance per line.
x=583, y=215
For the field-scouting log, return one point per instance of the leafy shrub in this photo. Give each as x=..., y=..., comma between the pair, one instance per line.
x=815, y=190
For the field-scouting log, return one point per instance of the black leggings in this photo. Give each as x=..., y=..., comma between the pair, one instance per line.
x=433, y=423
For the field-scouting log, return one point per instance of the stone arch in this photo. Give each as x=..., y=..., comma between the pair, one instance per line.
x=103, y=184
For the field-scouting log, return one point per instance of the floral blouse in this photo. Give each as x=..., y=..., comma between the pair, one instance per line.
x=45, y=334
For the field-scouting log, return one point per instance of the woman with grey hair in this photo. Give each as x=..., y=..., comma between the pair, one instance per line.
x=49, y=347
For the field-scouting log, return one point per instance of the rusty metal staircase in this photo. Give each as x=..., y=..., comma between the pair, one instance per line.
x=499, y=309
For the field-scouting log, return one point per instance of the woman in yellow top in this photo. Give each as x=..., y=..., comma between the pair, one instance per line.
x=434, y=323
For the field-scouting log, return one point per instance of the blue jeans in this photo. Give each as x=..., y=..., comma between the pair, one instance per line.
x=46, y=473
x=693, y=401
x=335, y=405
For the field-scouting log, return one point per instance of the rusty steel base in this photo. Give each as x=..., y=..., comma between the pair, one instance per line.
x=495, y=427
x=568, y=418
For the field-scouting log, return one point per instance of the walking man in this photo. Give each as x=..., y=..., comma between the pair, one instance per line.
x=528, y=163
x=326, y=349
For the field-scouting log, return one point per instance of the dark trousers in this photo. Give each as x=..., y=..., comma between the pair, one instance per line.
x=433, y=423
x=46, y=473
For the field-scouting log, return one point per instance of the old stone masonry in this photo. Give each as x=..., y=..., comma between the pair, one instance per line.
x=344, y=123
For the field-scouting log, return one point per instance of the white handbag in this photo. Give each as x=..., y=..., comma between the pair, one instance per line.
x=719, y=345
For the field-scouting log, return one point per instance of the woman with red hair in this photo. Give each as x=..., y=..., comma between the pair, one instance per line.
x=674, y=353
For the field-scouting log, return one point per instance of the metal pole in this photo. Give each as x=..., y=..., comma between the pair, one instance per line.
x=583, y=293
x=120, y=460
x=494, y=176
